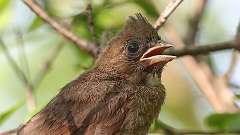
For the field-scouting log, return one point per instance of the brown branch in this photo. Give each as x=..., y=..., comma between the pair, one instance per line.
x=228, y=74
x=91, y=23
x=167, y=129
x=90, y=48
x=203, y=49
x=166, y=13
x=199, y=132
x=214, y=88
x=195, y=21
x=234, y=57
x=31, y=103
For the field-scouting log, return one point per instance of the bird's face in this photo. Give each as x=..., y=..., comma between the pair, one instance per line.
x=138, y=48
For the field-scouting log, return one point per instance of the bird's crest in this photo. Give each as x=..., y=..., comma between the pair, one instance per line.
x=139, y=26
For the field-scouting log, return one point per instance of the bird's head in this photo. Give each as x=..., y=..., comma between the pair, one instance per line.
x=137, y=48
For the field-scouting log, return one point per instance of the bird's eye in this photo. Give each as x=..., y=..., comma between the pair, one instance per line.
x=133, y=47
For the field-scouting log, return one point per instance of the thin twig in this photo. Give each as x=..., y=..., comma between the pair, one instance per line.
x=234, y=58
x=47, y=65
x=214, y=89
x=166, y=13
x=192, y=132
x=203, y=49
x=12, y=131
x=193, y=28
x=91, y=23
x=24, y=59
x=90, y=48
x=31, y=103
x=194, y=22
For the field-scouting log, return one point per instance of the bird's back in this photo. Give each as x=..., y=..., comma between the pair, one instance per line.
x=91, y=104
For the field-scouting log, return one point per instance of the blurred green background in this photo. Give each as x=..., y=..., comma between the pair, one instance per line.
x=30, y=41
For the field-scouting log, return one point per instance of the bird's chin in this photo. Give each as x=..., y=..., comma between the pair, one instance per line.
x=153, y=57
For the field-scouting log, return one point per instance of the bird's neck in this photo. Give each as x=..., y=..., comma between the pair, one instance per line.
x=111, y=73
x=142, y=78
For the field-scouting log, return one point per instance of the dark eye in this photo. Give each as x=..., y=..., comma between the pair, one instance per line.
x=133, y=47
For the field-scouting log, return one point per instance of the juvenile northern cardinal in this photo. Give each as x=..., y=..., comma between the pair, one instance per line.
x=121, y=95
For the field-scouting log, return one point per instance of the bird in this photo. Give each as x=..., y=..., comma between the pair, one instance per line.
x=121, y=95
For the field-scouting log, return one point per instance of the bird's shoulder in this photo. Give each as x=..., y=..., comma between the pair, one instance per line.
x=93, y=86
x=91, y=103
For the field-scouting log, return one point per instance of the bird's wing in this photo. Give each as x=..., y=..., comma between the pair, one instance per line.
x=82, y=108
x=104, y=118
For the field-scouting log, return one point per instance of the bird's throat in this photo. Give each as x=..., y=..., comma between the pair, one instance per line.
x=153, y=79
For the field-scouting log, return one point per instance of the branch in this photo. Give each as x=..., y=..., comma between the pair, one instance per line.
x=215, y=90
x=91, y=23
x=23, y=55
x=166, y=13
x=234, y=59
x=173, y=131
x=31, y=103
x=195, y=132
x=203, y=49
x=12, y=131
x=195, y=21
x=88, y=47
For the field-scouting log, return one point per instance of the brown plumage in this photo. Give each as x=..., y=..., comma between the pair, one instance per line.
x=121, y=95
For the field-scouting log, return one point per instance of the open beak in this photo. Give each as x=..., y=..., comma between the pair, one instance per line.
x=153, y=56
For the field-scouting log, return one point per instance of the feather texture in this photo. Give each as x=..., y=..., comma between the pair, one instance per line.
x=113, y=98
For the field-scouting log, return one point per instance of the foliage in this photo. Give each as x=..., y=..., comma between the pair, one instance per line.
x=225, y=121
x=6, y=114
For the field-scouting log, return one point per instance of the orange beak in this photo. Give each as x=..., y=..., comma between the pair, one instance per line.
x=153, y=56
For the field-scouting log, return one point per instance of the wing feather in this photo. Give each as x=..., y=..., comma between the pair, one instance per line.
x=89, y=107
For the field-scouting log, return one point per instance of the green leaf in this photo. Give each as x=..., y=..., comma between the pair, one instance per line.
x=5, y=13
x=237, y=96
x=65, y=8
x=8, y=113
x=37, y=22
x=224, y=121
x=4, y=4
x=147, y=6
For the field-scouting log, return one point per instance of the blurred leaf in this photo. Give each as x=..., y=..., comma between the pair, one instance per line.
x=79, y=26
x=65, y=8
x=4, y=4
x=5, y=13
x=225, y=121
x=37, y=22
x=8, y=113
x=85, y=61
x=147, y=6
